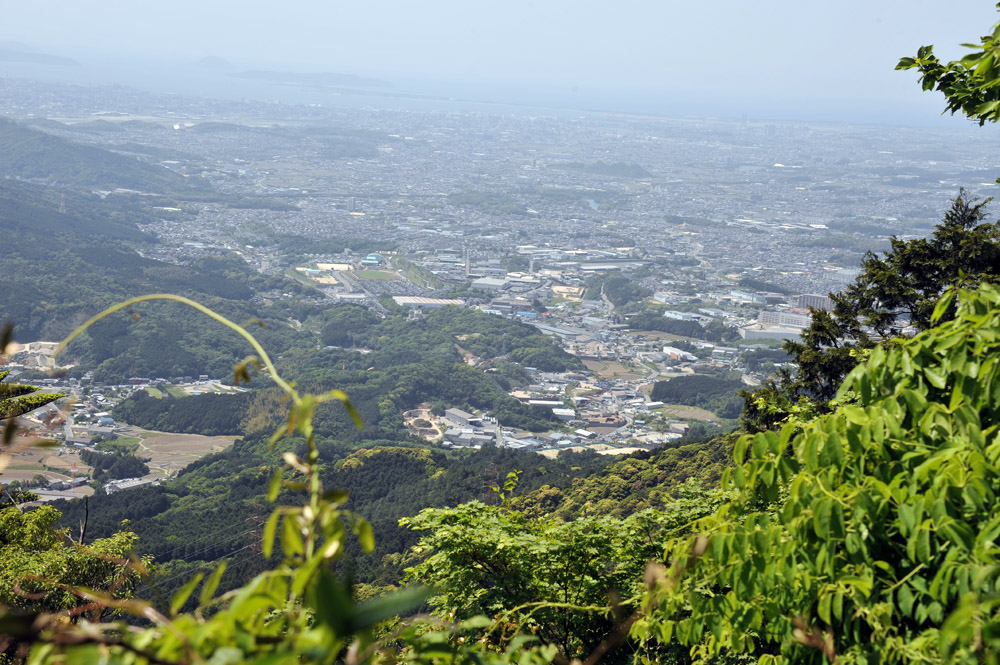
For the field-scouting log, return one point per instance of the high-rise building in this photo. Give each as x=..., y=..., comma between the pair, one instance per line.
x=814, y=300
x=785, y=319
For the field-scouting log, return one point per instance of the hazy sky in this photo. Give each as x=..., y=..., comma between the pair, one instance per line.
x=842, y=50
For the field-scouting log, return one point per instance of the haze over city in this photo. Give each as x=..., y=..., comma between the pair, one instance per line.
x=777, y=60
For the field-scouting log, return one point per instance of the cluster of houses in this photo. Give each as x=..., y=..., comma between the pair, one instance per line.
x=609, y=417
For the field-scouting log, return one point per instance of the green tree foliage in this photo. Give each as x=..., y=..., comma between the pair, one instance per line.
x=868, y=532
x=60, y=267
x=17, y=399
x=31, y=154
x=971, y=85
x=653, y=320
x=37, y=558
x=14, y=495
x=299, y=611
x=899, y=288
x=758, y=360
x=43, y=570
x=348, y=326
x=550, y=578
x=635, y=483
x=30, y=213
x=113, y=466
x=211, y=415
x=411, y=362
x=618, y=289
x=385, y=483
x=717, y=394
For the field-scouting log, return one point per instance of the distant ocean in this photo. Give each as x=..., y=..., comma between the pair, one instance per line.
x=429, y=94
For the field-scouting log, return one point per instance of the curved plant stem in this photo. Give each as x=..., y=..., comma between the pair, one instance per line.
x=261, y=353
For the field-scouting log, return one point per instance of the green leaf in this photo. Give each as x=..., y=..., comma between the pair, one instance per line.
x=824, y=607
x=398, y=603
x=942, y=306
x=478, y=621
x=332, y=603
x=959, y=533
x=923, y=548
x=856, y=415
x=935, y=612
x=336, y=497
x=291, y=538
x=275, y=485
x=909, y=515
x=935, y=377
x=178, y=599
x=821, y=518
x=740, y=449
x=366, y=536
x=211, y=584
x=270, y=529
x=904, y=599
x=836, y=520
x=860, y=583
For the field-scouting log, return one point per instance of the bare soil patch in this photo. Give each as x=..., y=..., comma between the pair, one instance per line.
x=423, y=423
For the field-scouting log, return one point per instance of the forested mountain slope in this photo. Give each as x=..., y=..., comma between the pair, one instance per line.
x=387, y=366
x=60, y=268
x=208, y=512
x=30, y=154
x=635, y=482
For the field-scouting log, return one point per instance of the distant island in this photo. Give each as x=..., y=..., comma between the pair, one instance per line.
x=16, y=52
x=321, y=79
x=213, y=62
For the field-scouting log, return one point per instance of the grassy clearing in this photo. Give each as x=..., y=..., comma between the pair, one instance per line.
x=154, y=392
x=292, y=273
x=124, y=444
x=375, y=275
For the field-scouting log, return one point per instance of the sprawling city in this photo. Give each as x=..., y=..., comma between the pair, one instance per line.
x=476, y=381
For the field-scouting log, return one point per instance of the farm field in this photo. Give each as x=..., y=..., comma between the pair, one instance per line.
x=611, y=369
x=53, y=463
x=169, y=453
x=687, y=412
